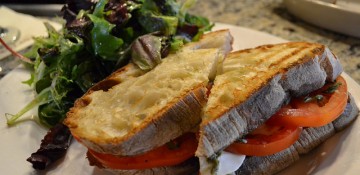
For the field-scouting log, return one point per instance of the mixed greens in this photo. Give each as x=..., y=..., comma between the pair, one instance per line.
x=98, y=38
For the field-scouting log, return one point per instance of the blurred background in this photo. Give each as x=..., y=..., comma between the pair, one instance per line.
x=273, y=16
x=35, y=7
x=270, y=16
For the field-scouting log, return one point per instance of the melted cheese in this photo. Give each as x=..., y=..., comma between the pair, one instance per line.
x=128, y=104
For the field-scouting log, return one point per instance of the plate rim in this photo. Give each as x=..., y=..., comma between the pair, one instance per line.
x=301, y=9
x=74, y=148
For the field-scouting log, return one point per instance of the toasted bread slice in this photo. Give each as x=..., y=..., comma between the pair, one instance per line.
x=255, y=83
x=151, y=109
x=221, y=39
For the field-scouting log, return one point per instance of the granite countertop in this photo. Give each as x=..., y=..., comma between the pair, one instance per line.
x=272, y=17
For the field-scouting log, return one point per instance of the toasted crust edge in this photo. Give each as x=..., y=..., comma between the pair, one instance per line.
x=331, y=67
x=275, y=163
x=131, y=71
x=216, y=134
x=178, y=117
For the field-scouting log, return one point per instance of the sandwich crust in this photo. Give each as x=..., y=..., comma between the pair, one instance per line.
x=309, y=139
x=151, y=109
x=165, y=127
x=255, y=83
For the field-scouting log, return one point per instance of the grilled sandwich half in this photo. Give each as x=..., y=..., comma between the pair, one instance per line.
x=256, y=83
x=309, y=139
x=132, y=106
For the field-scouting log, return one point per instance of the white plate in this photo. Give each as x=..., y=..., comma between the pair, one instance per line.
x=28, y=26
x=342, y=16
x=18, y=142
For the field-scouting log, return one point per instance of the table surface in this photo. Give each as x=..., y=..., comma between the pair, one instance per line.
x=272, y=17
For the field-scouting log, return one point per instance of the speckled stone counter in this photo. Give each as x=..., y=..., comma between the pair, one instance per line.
x=272, y=17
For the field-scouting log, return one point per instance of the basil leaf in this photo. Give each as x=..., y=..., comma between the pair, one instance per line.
x=332, y=88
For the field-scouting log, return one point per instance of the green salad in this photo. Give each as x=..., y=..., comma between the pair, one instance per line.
x=99, y=38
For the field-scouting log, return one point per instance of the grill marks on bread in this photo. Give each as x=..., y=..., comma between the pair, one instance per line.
x=246, y=71
x=255, y=83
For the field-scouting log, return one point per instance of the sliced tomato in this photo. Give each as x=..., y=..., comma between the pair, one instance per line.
x=267, y=139
x=316, y=112
x=170, y=154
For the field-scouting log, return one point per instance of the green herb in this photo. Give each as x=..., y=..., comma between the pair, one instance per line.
x=332, y=88
x=103, y=43
x=59, y=76
x=214, y=161
x=177, y=43
x=317, y=98
x=40, y=99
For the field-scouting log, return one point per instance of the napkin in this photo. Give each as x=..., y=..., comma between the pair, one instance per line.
x=29, y=27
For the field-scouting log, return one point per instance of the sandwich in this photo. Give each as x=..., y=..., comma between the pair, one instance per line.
x=180, y=117
x=268, y=94
x=147, y=113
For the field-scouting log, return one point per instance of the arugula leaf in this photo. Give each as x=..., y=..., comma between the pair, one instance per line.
x=47, y=111
x=41, y=98
x=202, y=23
x=99, y=8
x=176, y=43
x=183, y=10
x=158, y=23
x=104, y=44
x=332, y=88
x=55, y=57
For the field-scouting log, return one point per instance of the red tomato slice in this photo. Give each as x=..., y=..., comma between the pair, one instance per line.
x=313, y=114
x=268, y=139
x=185, y=147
